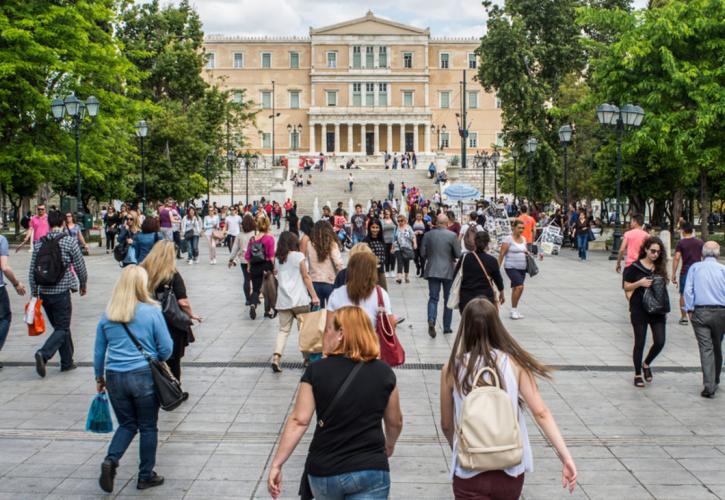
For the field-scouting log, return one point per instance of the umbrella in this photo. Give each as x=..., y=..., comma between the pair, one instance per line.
x=461, y=192
x=316, y=210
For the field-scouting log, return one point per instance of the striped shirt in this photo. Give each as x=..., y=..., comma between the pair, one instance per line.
x=71, y=254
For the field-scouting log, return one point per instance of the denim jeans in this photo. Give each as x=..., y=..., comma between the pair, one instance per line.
x=357, y=238
x=323, y=291
x=192, y=246
x=58, y=309
x=5, y=315
x=582, y=243
x=137, y=410
x=359, y=485
x=434, y=290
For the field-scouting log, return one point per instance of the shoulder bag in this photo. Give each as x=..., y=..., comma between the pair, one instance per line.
x=488, y=278
x=454, y=296
x=531, y=268
x=391, y=352
x=655, y=299
x=173, y=314
x=167, y=388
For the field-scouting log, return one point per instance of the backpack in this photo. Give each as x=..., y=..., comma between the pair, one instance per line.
x=469, y=239
x=120, y=250
x=49, y=267
x=489, y=437
x=257, y=253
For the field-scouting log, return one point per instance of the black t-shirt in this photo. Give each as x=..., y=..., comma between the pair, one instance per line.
x=352, y=439
x=474, y=282
x=633, y=273
x=177, y=285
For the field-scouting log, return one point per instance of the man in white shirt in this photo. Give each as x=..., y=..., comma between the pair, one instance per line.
x=232, y=223
x=472, y=224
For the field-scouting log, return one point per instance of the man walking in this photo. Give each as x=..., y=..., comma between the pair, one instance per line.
x=705, y=304
x=5, y=314
x=632, y=242
x=689, y=251
x=165, y=220
x=359, y=221
x=52, y=280
x=391, y=190
x=37, y=228
x=350, y=180
x=440, y=249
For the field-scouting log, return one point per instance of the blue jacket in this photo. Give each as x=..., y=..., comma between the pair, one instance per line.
x=143, y=243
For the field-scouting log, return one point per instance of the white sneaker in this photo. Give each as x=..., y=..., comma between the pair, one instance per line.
x=517, y=315
x=189, y=261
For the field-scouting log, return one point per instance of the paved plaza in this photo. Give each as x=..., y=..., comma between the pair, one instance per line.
x=661, y=442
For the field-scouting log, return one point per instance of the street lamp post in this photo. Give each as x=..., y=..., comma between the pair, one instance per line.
x=295, y=131
x=230, y=161
x=142, y=131
x=530, y=147
x=438, y=130
x=565, y=133
x=273, y=116
x=76, y=111
x=515, y=156
x=495, y=157
x=628, y=115
x=209, y=159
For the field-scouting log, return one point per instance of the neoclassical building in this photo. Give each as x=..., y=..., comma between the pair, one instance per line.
x=359, y=87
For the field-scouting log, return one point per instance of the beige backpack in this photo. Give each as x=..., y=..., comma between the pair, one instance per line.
x=488, y=431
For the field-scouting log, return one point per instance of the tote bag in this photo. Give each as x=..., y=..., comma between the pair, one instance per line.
x=391, y=351
x=312, y=329
x=454, y=297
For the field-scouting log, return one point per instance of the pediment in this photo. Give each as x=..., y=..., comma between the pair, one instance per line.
x=369, y=25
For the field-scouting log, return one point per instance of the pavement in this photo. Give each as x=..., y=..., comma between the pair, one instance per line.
x=664, y=441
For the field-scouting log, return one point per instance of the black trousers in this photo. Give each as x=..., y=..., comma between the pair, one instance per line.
x=257, y=274
x=639, y=325
x=389, y=258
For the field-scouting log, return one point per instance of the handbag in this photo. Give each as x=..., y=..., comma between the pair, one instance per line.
x=167, y=388
x=454, y=296
x=189, y=234
x=34, y=317
x=531, y=268
x=407, y=253
x=655, y=299
x=312, y=331
x=217, y=234
x=391, y=351
x=488, y=278
x=174, y=315
x=269, y=290
x=590, y=235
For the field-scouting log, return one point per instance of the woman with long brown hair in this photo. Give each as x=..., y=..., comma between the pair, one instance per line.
x=324, y=259
x=482, y=341
x=638, y=277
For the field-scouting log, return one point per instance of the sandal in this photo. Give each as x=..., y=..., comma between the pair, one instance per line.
x=638, y=382
x=647, y=373
x=276, y=368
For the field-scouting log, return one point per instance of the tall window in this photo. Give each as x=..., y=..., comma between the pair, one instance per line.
x=498, y=102
x=444, y=140
x=238, y=60
x=408, y=98
x=237, y=97
x=294, y=60
x=356, y=57
x=383, y=94
x=294, y=140
x=266, y=60
x=407, y=59
x=369, y=94
x=499, y=139
x=369, y=57
x=332, y=59
x=383, y=57
x=294, y=99
x=444, y=60
x=266, y=99
x=210, y=60
x=445, y=98
x=473, y=139
x=473, y=100
x=266, y=140
x=471, y=60
x=357, y=94
x=331, y=97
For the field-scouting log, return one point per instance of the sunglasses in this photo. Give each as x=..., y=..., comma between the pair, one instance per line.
x=40, y=210
x=654, y=251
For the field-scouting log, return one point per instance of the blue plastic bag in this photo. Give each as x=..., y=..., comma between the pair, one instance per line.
x=99, y=415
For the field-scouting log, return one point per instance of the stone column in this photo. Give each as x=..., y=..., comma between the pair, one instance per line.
x=312, y=138
x=402, y=138
x=337, y=138
x=363, y=131
x=427, y=137
x=389, y=143
x=350, y=130
x=376, y=131
x=415, y=138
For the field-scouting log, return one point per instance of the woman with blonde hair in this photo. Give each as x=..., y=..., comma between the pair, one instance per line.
x=349, y=453
x=483, y=342
x=123, y=371
x=129, y=229
x=160, y=265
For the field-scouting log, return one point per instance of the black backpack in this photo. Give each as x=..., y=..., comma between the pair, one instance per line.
x=49, y=266
x=257, y=253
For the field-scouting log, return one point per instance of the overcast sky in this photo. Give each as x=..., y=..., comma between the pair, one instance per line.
x=294, y=17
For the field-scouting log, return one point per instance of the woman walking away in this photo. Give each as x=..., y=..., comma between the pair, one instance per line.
x=638, y=277
x=404, y=247
x=348, y=456
x=239, y=252
x=211, y=224
x=144, y=241
x=480, y=274
x=127, y=374
x=374, y=240
x=419, y=229
x=389, y=226
x=294, y=293
x=582, y=227
x=191, y=230
x=513, y=256
x=112, y=221
x=163, y=279
x=260, y=257
x=324, y=259
x=306, y=225
x=482, y=342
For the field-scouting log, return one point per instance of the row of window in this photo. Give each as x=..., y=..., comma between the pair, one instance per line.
x=369, y=59
x=444, y=140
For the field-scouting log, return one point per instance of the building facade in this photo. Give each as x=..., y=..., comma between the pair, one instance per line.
x=357, y=88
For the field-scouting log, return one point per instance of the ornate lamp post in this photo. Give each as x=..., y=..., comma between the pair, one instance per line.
x=437, y=130
x=565, y=133
x=209, y=160
x=295, y=131
x=515, y=156
x=230, y=161
x=495, y=157
x=142, y=131
x=530, y=148
x=76, y=111
x=628, y=116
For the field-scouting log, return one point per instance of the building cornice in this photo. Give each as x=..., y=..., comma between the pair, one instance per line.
x=255, y=39
x=453, y=39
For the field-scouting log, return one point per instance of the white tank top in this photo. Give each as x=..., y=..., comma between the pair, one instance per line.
x=512, y=389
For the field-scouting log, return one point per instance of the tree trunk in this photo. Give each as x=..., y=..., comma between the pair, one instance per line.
x=676, y=209
x=704, y=205
x=657, y=215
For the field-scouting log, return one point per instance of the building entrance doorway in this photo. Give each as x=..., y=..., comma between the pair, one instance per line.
x=409, y=141
x=369, y=143
x=330, y=142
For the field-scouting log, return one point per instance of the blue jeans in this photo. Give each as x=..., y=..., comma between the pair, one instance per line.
x=357, y=238
x=137, y=410
x=58, y=309
x=192, y=246
x=434, y=290
x=359, y=485
x=582, y=243
x=323, y=291
x=5, y=315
